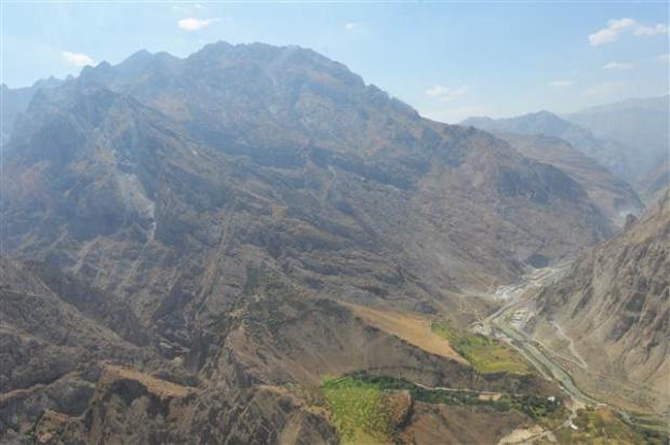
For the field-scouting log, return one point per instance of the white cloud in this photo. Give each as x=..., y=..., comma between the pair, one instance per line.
x=656, y=30
x=198, y=6
x=445, y=93
x=620, y=24
x=616, y=27
x=193, y=24
x=353, y=26
x=604, y=88
x=611, y=33
x=618, y=66
x=560, y=83
x=603, y=36
x=77, y=59
x=663, y=58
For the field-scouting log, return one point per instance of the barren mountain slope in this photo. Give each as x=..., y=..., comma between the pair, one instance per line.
x=614, y=196
x=253, y=376
x=614, y=305
x=657, y=182
x=169, y=186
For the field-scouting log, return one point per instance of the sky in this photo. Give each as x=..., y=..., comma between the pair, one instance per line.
x=449, y=60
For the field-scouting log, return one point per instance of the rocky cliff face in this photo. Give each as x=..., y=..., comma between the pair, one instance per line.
x=614, y=304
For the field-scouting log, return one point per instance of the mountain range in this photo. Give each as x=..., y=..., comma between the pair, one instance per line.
x=629, y=138
x=193, y=246
x=614, y=197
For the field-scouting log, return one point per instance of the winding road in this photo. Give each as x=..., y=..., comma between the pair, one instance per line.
x=498, y=324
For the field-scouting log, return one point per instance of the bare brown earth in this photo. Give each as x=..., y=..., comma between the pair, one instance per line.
x=163, y=388
x=444, y=424
x=412, y=328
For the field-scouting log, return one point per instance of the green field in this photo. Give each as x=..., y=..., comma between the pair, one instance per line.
x=486, y=355
x=367, y=408
x=358, y=410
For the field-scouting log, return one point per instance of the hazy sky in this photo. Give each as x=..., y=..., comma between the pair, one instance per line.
x=448, y=60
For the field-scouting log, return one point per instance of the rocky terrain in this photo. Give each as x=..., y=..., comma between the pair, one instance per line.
x=185, y=241
x=611, y=311
x=15, y=102
x=146, y=183
x=657, y=182
x=614, y=196
x=252, y=377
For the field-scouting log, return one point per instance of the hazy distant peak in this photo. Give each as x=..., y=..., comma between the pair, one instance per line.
x=658, y=103
x=138, y=59
x=142, y=54
x=98, y=74
x=100, y=67
x=540, y=122
x=49, y=82
x=542, y=113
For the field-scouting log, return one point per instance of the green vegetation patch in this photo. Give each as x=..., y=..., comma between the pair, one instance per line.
x=486, y=355
x=535, y=406
x=361, y=410
x=370, y=408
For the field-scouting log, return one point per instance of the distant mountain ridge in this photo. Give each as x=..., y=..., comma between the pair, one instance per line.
x=643, y=127
x=614, y=196
x=630, y=138
x=293, y=110
x=548, y=138
x=545, y=123
x=541, y=122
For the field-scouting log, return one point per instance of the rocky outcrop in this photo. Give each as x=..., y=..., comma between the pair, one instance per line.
x=43, y=337
x=128, y=406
